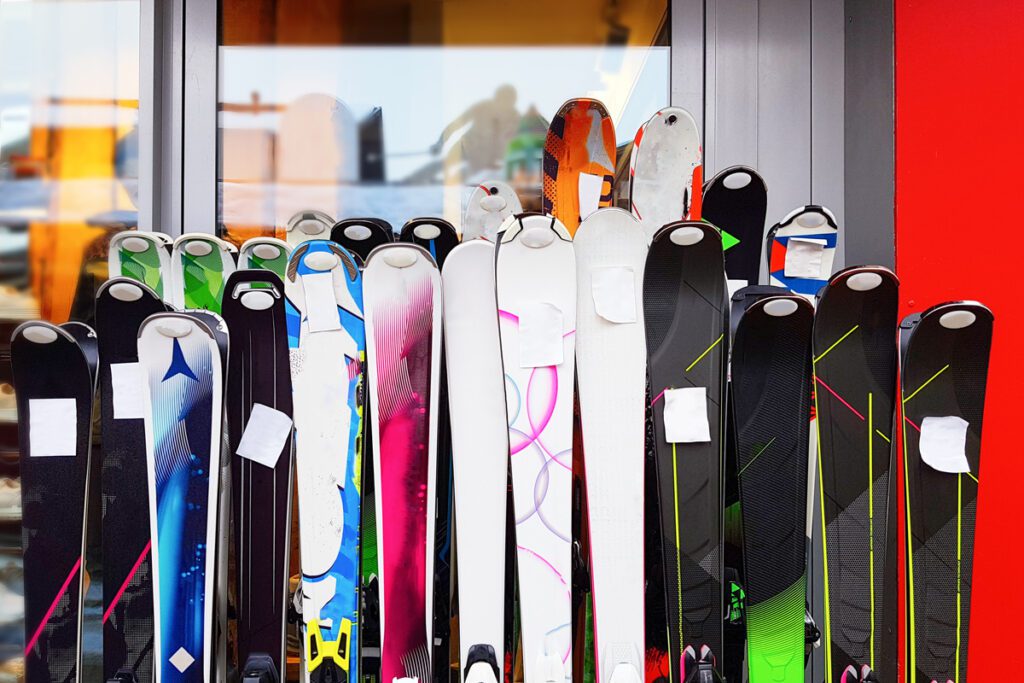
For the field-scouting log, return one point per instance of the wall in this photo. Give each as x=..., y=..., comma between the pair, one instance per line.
x=959, y=97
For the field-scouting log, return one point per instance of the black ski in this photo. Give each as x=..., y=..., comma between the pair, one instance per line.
x=855, y=387
x=771, y=388
x=121, y=305
x=736, y=201
x=944, y=368
x=685, y=314
x=360, y=236
x=259, y=390
x=54, y=385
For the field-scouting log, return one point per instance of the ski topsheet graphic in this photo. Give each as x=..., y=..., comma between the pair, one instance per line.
x=489, y=204
x=666, y=170
x=536, y=284
x=55, y=389
x=801, y=250
x=855, y=385
x=476, y=395
x=771, y=377
x=579, y=162
x=259, y=416
x=403, y=313
x=611, y=249
x=142, y=256
x=360, y=236
x=122, y=304
x=944, y=367
x=328, y=354
x=200, y=265
x=265, y=253
x=736, y=201
x=685, y=315
x=181, y=364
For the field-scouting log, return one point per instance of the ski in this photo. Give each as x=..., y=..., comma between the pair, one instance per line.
x=308, y=225
x=265, y=253
x=801, y=248
x=944, y=368
x=666, y=170
x=439, y=237
x=536, y=287
x=771, y=379
x=579, y=162
x=611, y=249
x=122, y=304
x=181, y=362
x=259, y=418
x=685, y=316
x=54, y=388
x=142, y=256
x=200, y=265
x=736, y=202
x=327, y=349
x=403, y=311
x=360, y=236
x=489, y=204
x=479, y=432
x=855, y=384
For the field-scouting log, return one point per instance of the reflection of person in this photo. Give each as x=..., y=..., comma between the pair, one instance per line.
x=491, y=124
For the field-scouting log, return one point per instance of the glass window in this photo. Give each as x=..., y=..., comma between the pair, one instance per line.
x=69, y=91
x=397, y=109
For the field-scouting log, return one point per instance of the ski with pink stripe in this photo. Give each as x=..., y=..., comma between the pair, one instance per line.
x=402, y=299
x=536, y=288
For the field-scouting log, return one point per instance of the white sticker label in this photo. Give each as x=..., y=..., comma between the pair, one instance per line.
x=540, y=336
x=614, y=292
x=52, y=427
x=321, y=306
x=590, y=193
x=127, y=384
x=265, y=435
x=804, y=257
x=686, y=415
x=943, y=444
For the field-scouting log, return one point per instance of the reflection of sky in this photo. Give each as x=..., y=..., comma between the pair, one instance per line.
x=422, y=89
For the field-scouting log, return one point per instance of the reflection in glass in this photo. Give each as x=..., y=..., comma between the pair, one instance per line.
x=404, y=118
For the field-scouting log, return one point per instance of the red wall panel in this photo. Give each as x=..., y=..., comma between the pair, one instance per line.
x=960, y=235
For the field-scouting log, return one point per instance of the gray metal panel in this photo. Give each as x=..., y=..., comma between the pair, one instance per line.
x=687, y=57
x=732, y=102
x=869, y=160
x=827, y=103
x=199, y=116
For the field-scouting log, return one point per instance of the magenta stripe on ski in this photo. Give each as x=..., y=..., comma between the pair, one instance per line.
x=402, y=335
x=49, y=613
x=127, y=580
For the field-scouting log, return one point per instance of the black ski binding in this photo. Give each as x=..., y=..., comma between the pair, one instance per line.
x=259, y=668
x=123, y=676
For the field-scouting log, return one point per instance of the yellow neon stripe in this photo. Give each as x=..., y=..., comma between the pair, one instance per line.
x=756, y=456
x=946, y=367
x=887, y=439
x=912, y=645
x=826, y=351
x=959, y=513
x=824, y=542
x=706, y=352
x=679, y=551
x=871, y=520
x=972, y=477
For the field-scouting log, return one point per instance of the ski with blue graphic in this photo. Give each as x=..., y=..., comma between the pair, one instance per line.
x=801, y=250
x=182, y=365
x=327, y=348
